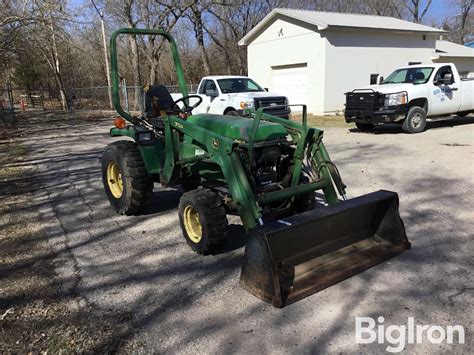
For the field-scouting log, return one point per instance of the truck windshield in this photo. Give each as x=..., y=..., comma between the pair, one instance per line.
x=232, y=85
x=409, y=75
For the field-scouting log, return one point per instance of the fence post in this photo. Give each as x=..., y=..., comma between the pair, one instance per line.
x=125, y=95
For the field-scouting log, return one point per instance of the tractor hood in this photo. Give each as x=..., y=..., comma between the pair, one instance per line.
x=238, y=128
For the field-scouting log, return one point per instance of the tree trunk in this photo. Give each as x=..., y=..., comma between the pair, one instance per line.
x=199, y=34
x=57, y=70
x=136, y=71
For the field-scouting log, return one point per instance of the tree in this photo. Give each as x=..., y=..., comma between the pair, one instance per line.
x=416, y=10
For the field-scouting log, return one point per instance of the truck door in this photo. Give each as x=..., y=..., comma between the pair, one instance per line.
x=445, y=96
x=208, y=92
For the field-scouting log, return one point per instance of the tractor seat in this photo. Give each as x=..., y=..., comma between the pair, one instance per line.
x=158, y=101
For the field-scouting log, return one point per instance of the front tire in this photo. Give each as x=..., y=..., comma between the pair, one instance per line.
x=365, y=127
x=203, y=220
x=126, y=181
x=415, y=122
x=232, y=113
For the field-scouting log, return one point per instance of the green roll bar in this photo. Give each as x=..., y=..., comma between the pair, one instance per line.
x=114, y=76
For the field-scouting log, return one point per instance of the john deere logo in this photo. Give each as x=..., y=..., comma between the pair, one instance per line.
x=215, y=143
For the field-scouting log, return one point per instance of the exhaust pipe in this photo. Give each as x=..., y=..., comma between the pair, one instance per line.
x=290, y=259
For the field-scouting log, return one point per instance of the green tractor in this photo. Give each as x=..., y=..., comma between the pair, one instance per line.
x=268, y=170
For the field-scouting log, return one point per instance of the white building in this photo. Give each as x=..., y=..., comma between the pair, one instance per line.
x=461, y=56
x=314, y=57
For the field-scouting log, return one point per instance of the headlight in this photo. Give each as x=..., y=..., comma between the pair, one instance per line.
x=246, y=104
x=400, y=98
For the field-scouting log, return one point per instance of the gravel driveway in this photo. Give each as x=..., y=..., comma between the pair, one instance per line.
x=187, y=303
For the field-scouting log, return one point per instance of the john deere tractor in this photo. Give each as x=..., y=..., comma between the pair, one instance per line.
x=303, y=235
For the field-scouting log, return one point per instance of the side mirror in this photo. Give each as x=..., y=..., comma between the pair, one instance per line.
x=212, y=93
x=381, y=78
x=447, y=80
x=266, y=89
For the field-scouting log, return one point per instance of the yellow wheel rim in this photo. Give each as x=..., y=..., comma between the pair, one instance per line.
x=192, y=224
x=114, y=179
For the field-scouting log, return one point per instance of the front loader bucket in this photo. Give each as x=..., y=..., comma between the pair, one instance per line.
x=293, y=258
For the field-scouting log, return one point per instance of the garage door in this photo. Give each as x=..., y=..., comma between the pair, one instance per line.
x=291, y=81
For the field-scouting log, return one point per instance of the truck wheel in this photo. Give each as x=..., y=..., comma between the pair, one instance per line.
x=415, y=122
x=364, y=127
x=126, y=181
x=203, y=220
x=232, y=113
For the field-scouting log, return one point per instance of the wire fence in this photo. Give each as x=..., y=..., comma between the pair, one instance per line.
x=131, y=98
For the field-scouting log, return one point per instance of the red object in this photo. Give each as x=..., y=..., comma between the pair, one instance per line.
x=22, y=104
x=119, y=122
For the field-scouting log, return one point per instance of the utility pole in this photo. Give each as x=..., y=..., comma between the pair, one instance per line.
x=106, y=56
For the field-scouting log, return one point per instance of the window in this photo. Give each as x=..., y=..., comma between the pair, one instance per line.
x=233, y=85
x=419, y=75
x=373, y=79
x=207, y=85
x=442, y=72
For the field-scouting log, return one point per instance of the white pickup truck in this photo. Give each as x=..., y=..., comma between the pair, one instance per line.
x=230, y=95
x=411, y=96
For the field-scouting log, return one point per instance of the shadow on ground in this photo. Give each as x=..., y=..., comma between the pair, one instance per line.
x=394, y=128
x=141, y=268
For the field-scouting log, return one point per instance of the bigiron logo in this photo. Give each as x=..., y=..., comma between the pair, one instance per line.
x=398, y=336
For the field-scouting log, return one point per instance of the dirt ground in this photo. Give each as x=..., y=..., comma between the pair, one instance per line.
x=76, y=276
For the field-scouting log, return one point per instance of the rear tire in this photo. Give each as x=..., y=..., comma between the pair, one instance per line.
x=203, y=220
x=364, y=127
x=126, y=181
x=415, y=122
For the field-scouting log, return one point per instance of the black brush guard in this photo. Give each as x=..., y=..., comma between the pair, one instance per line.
x=288, y=260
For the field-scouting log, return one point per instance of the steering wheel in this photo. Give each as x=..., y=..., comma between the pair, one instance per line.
x=187, y=108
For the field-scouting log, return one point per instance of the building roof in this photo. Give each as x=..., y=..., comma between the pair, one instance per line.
x=323, y=20
x=450, y=49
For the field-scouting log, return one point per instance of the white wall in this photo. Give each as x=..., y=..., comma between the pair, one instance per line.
x=287, y=42
x=353, y=55
x=338, y=59
x=463, y=64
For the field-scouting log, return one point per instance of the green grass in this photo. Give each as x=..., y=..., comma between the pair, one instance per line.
x=324, y=121
x=10, y=152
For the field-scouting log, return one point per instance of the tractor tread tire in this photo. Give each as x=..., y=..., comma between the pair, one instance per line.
x=138, y=187
x=213, y=218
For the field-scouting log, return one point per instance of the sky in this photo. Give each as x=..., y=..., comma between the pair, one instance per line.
x=438, y=11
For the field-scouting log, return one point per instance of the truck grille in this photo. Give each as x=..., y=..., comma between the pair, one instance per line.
x=362, y=102
x=273, y=105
